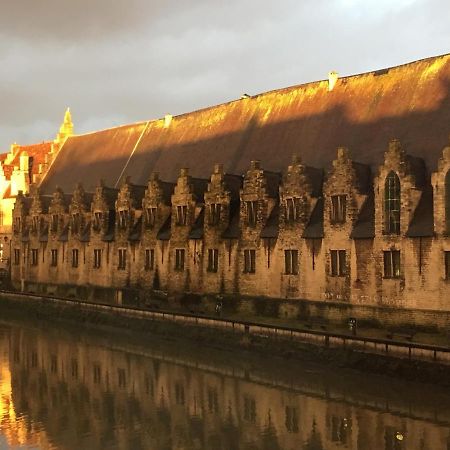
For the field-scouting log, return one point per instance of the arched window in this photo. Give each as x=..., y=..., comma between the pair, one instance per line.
x=392, y=204
x=447, y=202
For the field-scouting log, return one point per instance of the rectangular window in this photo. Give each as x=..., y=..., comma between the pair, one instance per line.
x=214, y=213
x=291, y=419
x=122, y=258
x=149, y=259
x=179, y=259
x=74, y=257
x=338, y=208
x=97, y=258
x=54, y=257
x=213, y=259
x=55, y=220
x=291, y=262
x=252, y=209
x=76, y=222
x=150, y=214
x=292, y=208
x=74, y=367
x=338, y=263
x=249, y=261
x=181, y=215
x=97, y=374
x=121, y=378
x=98, y=219
x=123, y=218
x=34, y=223
x=16, y=256
x=392, y=264
x=34, y=256
x=447, y=265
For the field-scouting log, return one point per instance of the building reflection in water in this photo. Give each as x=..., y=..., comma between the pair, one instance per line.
x=59, y=391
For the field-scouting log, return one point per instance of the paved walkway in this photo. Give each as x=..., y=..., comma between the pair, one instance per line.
x=432, y=338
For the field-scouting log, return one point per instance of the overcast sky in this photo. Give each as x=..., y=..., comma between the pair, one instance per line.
x=121, y=61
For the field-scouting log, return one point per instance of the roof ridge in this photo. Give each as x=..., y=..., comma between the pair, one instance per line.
x=259, y=95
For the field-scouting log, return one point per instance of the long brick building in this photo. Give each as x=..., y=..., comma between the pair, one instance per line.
x=334, y=192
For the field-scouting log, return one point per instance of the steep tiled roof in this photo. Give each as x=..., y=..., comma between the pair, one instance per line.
x=90, y=157
x=270, y=230
x=314, y=229
x=196, y=231
x=422, y=222
x=37, y=153
x=364, y=227
x=362, y=112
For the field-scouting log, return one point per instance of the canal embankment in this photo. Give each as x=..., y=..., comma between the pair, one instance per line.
x=410, y=360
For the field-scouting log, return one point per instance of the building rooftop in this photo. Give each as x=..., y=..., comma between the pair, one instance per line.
x=362, y=112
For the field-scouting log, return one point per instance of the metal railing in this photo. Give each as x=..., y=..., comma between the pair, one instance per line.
x=409, y=350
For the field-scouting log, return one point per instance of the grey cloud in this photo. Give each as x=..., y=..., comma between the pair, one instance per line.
x=180, y=56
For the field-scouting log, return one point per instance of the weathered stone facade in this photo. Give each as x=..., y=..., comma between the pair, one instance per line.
x=349, y=234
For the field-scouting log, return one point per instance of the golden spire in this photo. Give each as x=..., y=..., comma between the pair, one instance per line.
x=66, y=129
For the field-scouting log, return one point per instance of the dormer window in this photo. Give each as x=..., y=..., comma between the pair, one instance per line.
x=292, y=209
x=338, y=209
x=55, y=220
x=214, y=213
x=447, y=202
x=392, y=204
x=98, y=218
x=123, y=218
x=181, y=215
x=150, y=216
x=252, y=209
x=76, y=222
x=34, y=224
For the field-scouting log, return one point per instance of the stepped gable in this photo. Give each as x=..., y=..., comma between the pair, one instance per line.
x=89, y=157
x=37, y=154
x=363, y=112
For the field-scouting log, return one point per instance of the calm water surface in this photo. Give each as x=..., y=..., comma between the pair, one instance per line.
x=76, y=389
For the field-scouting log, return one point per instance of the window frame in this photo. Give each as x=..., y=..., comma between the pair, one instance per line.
x=338, y=263
x=291, y=262
x=252, y=213
x=122, y=263
x=17, y=256
x=250, y=261
x=34, y=257
x=180, y=259
x=123, y=218
x=54, y=257
x=75, y=258
x=447, y=265
x=213, y=260
x=181, y=216
x=392, y=204
x=97, y=258
x=447, y=202
x=338, y=209
x=149, y=259
x=150, y=216
x=392, y=264
x=215, y=210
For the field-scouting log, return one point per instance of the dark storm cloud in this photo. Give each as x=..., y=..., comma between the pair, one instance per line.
x=124, y=61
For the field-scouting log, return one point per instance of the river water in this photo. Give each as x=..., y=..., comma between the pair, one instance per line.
x=64, y=387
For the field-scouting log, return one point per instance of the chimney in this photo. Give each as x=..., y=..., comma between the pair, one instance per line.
x=332, y=79
x=167, y=120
